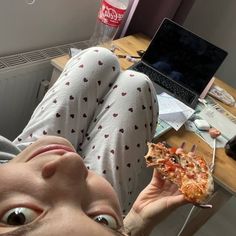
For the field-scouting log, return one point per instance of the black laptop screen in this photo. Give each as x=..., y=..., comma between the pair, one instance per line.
x=183, y=56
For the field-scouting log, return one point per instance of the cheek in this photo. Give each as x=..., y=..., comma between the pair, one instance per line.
x=100, y=188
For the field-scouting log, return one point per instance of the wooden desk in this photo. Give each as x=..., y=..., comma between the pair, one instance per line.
x=225, y=169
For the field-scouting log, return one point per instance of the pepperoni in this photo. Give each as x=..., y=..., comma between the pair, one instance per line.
x=172, y=150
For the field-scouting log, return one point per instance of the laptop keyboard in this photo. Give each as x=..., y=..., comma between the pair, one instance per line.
x=176, y=89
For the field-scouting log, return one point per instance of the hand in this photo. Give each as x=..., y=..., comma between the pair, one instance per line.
x=157, y=200
x=153, y=204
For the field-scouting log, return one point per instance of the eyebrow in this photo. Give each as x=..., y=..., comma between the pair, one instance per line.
x=22, y=230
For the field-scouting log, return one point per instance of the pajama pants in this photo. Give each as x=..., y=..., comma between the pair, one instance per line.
x=107, y=114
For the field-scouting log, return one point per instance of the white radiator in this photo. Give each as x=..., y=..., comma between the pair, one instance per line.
x=21, y=79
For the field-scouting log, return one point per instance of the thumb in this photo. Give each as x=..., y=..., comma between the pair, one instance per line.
x=157, y=178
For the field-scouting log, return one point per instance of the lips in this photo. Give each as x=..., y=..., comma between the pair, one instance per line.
x=55, y=148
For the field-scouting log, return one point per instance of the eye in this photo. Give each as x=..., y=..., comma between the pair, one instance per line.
x=19, y=216
x=106, y=220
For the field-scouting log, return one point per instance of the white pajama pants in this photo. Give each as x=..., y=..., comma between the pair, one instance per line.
x=108, y=116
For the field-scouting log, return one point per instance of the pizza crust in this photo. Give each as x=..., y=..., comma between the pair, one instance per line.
x=189, y=172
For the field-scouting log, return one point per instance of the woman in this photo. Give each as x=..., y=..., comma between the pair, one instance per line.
x=91, y=127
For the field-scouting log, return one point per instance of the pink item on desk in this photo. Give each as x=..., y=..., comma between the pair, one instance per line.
x=214, y=133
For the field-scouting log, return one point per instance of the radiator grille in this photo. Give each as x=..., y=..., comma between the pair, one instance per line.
x=2, y=65
x=52, y=52
x=14, y=60
x=39, y=55
x=34, y=56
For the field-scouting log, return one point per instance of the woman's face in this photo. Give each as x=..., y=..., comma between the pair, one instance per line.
x=47, y=190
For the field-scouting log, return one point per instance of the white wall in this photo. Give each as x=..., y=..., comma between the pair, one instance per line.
x=46, y=23
x=214, y=20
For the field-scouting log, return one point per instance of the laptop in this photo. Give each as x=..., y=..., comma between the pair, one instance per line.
x=179, y=62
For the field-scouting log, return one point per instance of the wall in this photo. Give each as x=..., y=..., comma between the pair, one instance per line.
x=214, y=20
x=46, y=23
x=150, y=13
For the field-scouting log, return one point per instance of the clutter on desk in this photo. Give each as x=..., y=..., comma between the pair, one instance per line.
x=210, y=112
x=218, y=121
x=205, y=135
x=129, y=58
x=214, y=133
x=172, y=111
x=202, y=125
x=222, y=95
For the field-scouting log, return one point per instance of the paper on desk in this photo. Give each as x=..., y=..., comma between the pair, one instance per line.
x=74, y=51
x=172, y=111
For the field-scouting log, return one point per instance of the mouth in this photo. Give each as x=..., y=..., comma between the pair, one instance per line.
x=54, y=148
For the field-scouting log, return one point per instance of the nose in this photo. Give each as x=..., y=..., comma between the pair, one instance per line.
x=69, y=165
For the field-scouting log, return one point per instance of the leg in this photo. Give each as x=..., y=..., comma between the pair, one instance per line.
x=115, y=143
x=68, y=107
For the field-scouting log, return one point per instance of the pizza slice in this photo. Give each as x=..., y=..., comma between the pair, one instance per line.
x=189, y=172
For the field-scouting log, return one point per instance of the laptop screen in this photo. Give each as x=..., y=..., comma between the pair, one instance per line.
x=183, y=56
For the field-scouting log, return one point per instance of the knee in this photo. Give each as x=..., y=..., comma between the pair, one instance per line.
x=98, y=55
x=140, y=83
x=106, y=56
x=139, y=79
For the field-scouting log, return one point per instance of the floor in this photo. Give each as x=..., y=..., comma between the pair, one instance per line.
x=222, y=223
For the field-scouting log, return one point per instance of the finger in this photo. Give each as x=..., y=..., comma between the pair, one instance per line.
x=157, y=174
x=182, y=145
x=193, y=149
x=178, y=200
x=180, y=149
x=157, y=178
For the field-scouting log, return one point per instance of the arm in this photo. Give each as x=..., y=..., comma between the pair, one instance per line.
x=154, y=203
